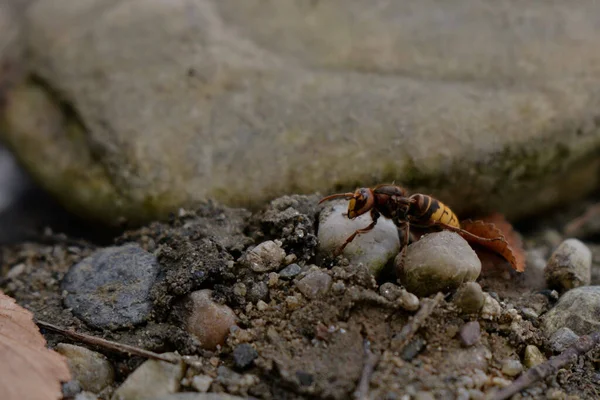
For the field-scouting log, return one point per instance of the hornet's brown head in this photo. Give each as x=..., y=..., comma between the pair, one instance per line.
x=361, y=201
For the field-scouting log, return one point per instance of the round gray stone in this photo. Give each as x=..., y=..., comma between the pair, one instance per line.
x=143, y=106
x=578, y=309
x=438, y=261
x=111, y=288
x=569, y=266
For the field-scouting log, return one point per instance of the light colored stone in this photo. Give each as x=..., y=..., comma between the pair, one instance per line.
x=202, y=383
x=151, y=379
x=578, y=309
x=533, y=356
x=265, y=257
x=512, y=367
x=314, y=284
x=491, y=308
x=208, y=321
x=373, y=249
x=93, y=371
x=217, y=103
x=438, y=261
x=570, y=266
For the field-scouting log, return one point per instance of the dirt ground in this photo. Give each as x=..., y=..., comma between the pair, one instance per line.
x=312, y=348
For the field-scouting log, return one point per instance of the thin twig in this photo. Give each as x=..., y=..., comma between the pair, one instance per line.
x=412, y=326
x=541, y=371
x=107, y=344
x=362, y=390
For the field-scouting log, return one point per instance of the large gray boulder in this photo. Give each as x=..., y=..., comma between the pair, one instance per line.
x=135, y=108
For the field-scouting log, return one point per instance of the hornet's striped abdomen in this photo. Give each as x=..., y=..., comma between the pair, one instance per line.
x=426, y=211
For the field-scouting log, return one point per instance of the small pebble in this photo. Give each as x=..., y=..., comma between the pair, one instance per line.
x=408, y=301
x=491, y=308
x=314, y=284
x=151, y=379
x=273, y=279
x=290, y=271
x=290, y=258
x=202, y=383
x=512, y=367
x=469, y=298
x=413, y=348
x=267, y=256
x=562, y=339
x=239, y=289
x=470, y=333
x=373, y=249
x=529, y=314
x=500, y=382
x=258, y=291
x=244, y=355
x=208, y=321
x=261, y=305
x=570, y=266
x=71, y=388
x=15, y=271
x=390, y=291
x=93, y=371
x=338, y=287
x=439, y=261
x=533, y=356
x=293, y=303
x=233, y=380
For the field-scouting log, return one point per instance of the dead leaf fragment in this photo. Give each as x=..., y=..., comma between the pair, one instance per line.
x=496, y=234
x=28, y=370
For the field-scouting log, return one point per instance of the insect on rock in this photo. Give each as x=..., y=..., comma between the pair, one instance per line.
x=423, y=212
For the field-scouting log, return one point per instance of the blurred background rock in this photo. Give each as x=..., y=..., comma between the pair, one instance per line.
x=130, y=110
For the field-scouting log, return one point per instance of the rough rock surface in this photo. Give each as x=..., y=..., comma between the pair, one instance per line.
x=111, y=288
x=578, y=310
x=136, y=108
x=570, y=265
x=438, y=261
x=374, y=248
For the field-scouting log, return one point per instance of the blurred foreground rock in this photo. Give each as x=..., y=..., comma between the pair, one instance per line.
x=133, y=109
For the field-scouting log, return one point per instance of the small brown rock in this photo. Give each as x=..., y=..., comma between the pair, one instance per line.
x=470, y=333
x=207, y=320
x=314, y=284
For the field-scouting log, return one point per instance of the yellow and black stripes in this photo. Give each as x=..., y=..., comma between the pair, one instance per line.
x=425, y=210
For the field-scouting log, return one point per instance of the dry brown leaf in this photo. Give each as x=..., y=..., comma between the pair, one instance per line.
x=496, y=234
x=28, y=370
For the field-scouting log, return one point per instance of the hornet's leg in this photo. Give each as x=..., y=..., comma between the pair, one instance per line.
x=374, y=216
x=404, y=233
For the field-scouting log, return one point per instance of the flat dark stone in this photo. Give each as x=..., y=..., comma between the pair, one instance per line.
x=111, y=288
x=243, y=355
